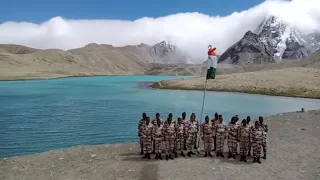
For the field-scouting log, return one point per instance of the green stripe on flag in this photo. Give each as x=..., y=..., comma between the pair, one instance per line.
x=211, y=73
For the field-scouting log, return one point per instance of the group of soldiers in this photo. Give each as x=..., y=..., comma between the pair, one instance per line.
x=170, y=137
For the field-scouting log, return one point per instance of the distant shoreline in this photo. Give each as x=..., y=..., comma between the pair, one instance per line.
x=262, y=93
x=289, y=82
x=74, y=76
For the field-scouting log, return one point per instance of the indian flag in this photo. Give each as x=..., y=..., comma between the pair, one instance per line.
x=212, y=66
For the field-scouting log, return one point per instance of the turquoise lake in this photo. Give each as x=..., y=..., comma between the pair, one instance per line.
x=40, y=115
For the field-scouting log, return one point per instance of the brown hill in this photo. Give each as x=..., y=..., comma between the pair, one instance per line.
x=19, y=62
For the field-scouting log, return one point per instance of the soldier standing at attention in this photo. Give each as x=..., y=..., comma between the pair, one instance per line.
x=250, y=125
x=264, y=139
x=185, y=123
x=169, y=137
x=221, y=130
x=147, y=136
x=232, y=138
x=207, y=136
x=158, y=134
x=214, y=121
x=192, y=134
x=154, y=122
x=180, y=137
x=140, y=124
x=256, y=139
x=244, y=140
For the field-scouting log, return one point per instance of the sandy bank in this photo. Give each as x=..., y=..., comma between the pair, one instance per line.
x=293, y=153
x=292, y=82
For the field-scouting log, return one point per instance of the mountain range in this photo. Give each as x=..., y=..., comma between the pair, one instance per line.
x=272, y=41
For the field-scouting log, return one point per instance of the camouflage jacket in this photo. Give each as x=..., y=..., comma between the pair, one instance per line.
x=158, y=132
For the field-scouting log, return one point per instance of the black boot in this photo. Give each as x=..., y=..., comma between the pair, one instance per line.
x=149, y=156
x=189, y=153
x=205, y=154
x=182, y=154
x=175, y=154
x=241, y=158
x=221, y=154
x=170, y=157
x=258, y=160
x=160, y=156
x=210, y=154
x=265, y=156
x=249, y=153
x=254, y=160
x=167, y=157
x=157, y=156
x=145, y=156
x=245, y=158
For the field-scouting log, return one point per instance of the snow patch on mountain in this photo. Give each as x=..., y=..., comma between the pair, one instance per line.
x=286, y=40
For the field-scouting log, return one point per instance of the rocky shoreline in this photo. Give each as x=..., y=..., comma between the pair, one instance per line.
x=293, y=153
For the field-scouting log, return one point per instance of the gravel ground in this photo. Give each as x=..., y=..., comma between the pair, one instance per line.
x=293, y=153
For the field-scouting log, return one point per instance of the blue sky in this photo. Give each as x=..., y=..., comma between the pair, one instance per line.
x=38, y=11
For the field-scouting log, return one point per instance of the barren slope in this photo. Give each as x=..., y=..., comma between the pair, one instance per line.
x=296, y=82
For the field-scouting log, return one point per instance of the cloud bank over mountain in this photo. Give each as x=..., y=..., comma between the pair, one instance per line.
x=191, y=32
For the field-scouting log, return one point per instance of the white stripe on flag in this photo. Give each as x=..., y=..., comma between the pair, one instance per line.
x=212, y=62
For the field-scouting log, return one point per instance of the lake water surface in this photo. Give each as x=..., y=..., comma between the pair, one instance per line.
x=40, y=115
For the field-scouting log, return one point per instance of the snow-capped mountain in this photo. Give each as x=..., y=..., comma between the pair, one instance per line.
x=166, y=53
x=287, y=42
x=272, y=41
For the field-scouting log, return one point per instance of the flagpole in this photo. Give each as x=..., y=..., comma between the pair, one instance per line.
x=204, y=96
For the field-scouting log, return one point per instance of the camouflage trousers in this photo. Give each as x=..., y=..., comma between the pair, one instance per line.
x=264, y=145
x=244, y=145
x=191, y=140
x=141, y=142
x=220, y=142
x=180, y=144
x=169, y=146
x=256, y=146
x=207, y=142
x=232, y=145
x=147, y=145
x=158, y=145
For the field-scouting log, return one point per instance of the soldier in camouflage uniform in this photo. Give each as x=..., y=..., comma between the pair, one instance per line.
x=154, y=122
x=185, y=123
x=169, y=137
x=140, y=124
x=244, y=140
x=256, y=139
x=232, y=138
x=147, y=136
x=221, y=130
x=193, y=128
x=207, y=136
x=213, y=122
x=158, y=136
x=264, y=140
x=250, y=125
x=180, y=137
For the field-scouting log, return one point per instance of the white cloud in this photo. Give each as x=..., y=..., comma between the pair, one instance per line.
x=189, y=31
